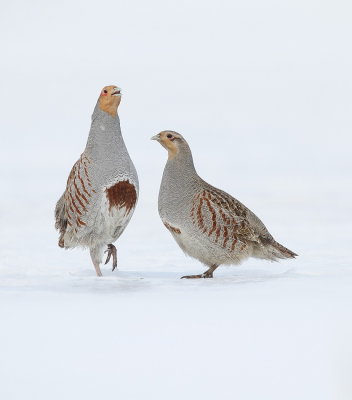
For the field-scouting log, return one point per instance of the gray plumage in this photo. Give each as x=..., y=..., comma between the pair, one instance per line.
x=102, y=188
x=207, y=223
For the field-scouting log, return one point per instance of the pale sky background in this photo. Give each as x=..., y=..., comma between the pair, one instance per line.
x=265, y=81
x=261, y=90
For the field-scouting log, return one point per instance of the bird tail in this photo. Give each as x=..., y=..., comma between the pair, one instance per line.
x=272, y=250
x=60, y=220
x=280, y=251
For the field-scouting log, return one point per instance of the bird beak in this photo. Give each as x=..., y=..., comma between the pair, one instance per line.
x=117, y=92
x=155, y=137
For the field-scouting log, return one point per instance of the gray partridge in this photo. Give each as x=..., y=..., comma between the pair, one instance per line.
x=102, y=188
x=207, y=223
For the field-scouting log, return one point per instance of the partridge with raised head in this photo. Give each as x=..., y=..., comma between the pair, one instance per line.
x=207, y=223
x=102, y=188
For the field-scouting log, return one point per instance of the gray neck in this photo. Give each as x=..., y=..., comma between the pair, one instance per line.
x=180, y=182
x=180, y=170
x=105, y=138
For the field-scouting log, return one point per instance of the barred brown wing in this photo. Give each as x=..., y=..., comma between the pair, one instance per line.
x=223, y=219
x=77, y=197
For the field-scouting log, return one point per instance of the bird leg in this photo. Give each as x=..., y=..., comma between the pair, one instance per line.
x=111, y=252
x=95, y=254
x=207, y=274
x=97, y=269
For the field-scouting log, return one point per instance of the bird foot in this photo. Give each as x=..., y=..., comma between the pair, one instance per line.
x=111, y=250
x=206, y=274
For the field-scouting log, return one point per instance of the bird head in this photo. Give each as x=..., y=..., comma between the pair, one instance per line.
x=109, y=99
x=172, y=141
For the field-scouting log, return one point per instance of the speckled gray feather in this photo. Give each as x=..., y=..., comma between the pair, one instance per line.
x=207, y=223
x=83, y=213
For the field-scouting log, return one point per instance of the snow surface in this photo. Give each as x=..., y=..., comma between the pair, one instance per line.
x=261, y=91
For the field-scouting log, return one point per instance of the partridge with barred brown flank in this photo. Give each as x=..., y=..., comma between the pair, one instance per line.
x=207, y=223
x=102, y=188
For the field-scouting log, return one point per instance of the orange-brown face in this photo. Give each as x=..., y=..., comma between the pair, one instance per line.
x=109, y=99
x=169, y=140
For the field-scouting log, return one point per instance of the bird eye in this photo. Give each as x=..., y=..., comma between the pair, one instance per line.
x=105, y=91
x=169, y=135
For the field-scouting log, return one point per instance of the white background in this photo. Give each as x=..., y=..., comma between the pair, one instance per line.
x=262, y=92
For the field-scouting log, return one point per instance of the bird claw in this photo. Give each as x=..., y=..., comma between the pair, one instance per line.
x=109, y=255
x=206, y=274
x=191, y=277
x=111, y=250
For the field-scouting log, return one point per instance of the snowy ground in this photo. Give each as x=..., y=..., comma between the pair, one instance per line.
x=266, y=109
x=252, y=332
